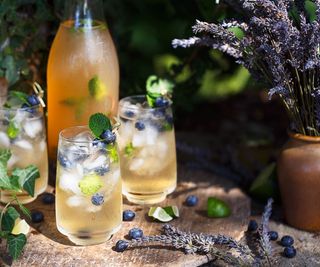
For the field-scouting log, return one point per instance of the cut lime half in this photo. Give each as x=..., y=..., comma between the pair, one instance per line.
x=173, y=211
x=20, y=227
x=159, y=214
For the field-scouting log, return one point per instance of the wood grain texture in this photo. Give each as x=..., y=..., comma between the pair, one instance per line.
x=47, y=247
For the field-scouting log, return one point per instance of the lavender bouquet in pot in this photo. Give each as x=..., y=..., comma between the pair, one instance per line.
x=281, y=46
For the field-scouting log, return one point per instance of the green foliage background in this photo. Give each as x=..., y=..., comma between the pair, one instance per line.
x=142, y=31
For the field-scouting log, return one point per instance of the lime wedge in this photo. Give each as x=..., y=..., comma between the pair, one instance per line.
x=173, y=211
x=159, y=214
x=20, y=227
x=97, y=88
x=90, y=184
x=217, y=208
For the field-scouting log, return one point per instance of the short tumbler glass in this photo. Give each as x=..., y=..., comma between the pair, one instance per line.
x=88, y=187
x=22, y=130
x=147, y=150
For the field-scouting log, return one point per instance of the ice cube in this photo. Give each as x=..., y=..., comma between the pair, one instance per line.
x=93, y=208
x=24, y=144
x=76, y=201
x=33, y=127
x=76, y=153
x=85, y=136
x=148, y=136
x=4, y=140
x=136, y=164
x=20, y=116
x=125, y=133
x=95, y=162
x=128, y=110
x=69, y=181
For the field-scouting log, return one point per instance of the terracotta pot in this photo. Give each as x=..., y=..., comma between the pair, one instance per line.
x=299, y=180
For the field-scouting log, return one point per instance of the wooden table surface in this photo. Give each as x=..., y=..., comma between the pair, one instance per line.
x=47, y=247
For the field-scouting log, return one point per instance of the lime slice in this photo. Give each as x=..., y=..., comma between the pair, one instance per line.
x=173, y=211
x=217, y=208
x=97, y=88
x=159, y=214
x=90, y=184
x=20, y=227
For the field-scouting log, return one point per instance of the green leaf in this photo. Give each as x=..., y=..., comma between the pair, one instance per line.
x=16, y=244
x=157, y=87
x=217, y=208
x=24, y=210
x=18, y=98
x=5, y=155
x=113, y=153
x=128, y=150
x=9, y=219
x=4, y=234
x=27, y=178
x=5, y=182
x=98, y=123
x=12, y=130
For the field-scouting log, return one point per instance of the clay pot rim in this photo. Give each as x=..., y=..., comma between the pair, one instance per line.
x=302, y=137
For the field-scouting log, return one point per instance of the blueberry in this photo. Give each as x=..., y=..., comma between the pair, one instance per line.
x=287, y=241
x=108, y=136
x=129, y=113
x=37, y=216
x=98, y=143
x=289, y=252
x=273, y=235
x=135, y=233
x=102, y=170
x=169, y=119
x=140, y=125
x=192, y=200
x=128, y=215
x=252, y=226
x=161, y=102
x=33, y=100
x=121, y=246
x=48, y=198
x=97, y=199
x=64, y=161
x=28, y=108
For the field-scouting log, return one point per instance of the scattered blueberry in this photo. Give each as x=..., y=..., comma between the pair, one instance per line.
x=48, y=198
x=102, y=170
x=252, y=226
x=289, y=252
x=140, y=125
x=287, y=241
x=97, y=199
x=273, y=235
x=161, y=102
x=64, y=161
x=129, y=113
x=108, y=136
x=121, y=246
x=191, y=200
x=128, y=215
x=135, y=233
x=37, y=216
x=33, y=100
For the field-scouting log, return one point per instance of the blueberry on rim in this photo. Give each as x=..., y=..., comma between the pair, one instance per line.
x=33, y=100
x=108, y=136
x=161, y=102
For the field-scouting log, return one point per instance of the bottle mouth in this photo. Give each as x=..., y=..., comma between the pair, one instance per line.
x=302, y=137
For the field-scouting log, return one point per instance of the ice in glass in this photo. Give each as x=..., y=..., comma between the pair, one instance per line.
x=147, y=150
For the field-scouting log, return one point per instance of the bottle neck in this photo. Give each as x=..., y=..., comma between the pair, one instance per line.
x=84, y=13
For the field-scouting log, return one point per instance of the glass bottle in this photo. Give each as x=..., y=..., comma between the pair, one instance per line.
x=83, y=70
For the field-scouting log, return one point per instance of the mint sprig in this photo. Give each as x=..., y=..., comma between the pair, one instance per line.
x=17, y=181
x=98, y=123
x=16, y=98
x=157, y=87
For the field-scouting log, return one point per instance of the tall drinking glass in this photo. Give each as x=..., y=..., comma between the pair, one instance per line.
x=88, y=188
x=147, y=150
x=22, y=130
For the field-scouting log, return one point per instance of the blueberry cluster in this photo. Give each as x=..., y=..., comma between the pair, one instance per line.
x=286, y=241
x=32, y=100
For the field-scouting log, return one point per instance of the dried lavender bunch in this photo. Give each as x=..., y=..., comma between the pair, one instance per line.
x=281, y=49
x=219, y=247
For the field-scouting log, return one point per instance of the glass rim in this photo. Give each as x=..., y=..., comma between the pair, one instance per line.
x=145, y=109
x=70, y=139
x=3, y=108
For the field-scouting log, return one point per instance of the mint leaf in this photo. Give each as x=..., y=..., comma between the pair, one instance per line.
x=128, y=150
x=113, y=153
x=157, y=87
x=9, y=219
x=5, y=182
x=5, y=155
x=16, y=244
x=12, y=130
x=27, y=178
x=98, y=123
x=16, y=98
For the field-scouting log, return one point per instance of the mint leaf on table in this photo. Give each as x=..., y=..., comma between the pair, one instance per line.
x=27, y=177
x=98, y=123
x=9, y=219
x=12, y=130
x=16, y=244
